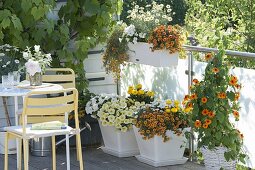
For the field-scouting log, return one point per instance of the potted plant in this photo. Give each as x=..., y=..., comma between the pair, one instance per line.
x=159, y=131
x=215, y=102
x=36, y=64
x=136, y=42
x=115, y=116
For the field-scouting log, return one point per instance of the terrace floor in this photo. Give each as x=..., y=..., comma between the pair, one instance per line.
x=94, y=159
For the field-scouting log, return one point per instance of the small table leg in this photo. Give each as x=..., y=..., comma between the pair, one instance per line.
x=16, y=107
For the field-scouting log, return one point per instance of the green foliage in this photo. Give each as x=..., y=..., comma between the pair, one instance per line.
x=179, y=7
x=82, y=24
x=231, y=22
x=215, y=101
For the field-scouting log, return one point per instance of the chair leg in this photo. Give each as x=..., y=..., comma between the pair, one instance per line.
x=67, y=153
x=6, y=151
x=79, y=149
x=77, y=152
x=20, y=154
x=53, y=143
x=25, y=152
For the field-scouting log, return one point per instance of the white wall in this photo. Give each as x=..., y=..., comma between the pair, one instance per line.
x=173, y=83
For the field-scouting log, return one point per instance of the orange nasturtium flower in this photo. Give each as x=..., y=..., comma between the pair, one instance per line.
x=232, y=82
x=204, y=100
x=222, y=95
x=208, y=121
x=205, y=126
x=205, y=112
x=195, y=81
x=208, y=56
x=236, y=114
x=215, y=70
x=198, y=123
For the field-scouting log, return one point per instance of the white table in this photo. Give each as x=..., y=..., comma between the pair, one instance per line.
x=21, y=92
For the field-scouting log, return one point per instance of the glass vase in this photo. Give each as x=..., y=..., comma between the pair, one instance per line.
x=36, y=79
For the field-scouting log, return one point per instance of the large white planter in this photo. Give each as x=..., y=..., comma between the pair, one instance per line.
x=11, y=144
x=141, y=53
x=117, y=143
x=155, y=152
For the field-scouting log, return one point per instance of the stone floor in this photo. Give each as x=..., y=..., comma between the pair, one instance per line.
x=94, y=159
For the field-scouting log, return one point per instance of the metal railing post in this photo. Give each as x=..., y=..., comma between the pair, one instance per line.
x=190, y=77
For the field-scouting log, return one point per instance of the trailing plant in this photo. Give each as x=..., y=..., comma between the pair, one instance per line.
x=214, y=100
x=115, y=54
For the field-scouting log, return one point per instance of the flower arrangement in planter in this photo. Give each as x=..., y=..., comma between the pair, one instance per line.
x=166, y=37
x=214, y=101
x=130, y=43
x=115, y=116
x=140, y=95
x=36, y=63
x=159, y=131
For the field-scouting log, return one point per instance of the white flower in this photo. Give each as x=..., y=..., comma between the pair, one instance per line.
x=120, y=39
x=37, y=48
x=111, y=118
x=95, y=107
x=130, y=30
x=135, y=40
x=168, y=6
x=124, y=129
x=25, y=55
x=16, y=61
x=156, y=21
x=49, y=57
x=8, y=62
x=142, y=35
x=88, y=110
x=169, y=10
x=4, y=66
x=32, y=67
x=104, y=123
x=2, y=54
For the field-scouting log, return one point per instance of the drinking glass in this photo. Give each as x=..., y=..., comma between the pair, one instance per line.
x=16, y=78
x=11, y=79
x=5, y=81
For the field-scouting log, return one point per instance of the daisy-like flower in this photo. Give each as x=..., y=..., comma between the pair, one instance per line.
x=205, y=112
x=208, y=56
x=198, y=124
x=215, y=70
x=204, y=100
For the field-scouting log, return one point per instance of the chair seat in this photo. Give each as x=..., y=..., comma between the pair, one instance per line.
x=39, y=133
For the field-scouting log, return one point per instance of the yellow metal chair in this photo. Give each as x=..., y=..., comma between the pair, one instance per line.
x=66, y=78
x=50, y=109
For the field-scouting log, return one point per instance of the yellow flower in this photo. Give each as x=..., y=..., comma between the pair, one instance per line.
x=141, y=92
x=168, y=102
x=139, y=86
x=130, y=88
x=130, y=91
x=174, y=109
x=150, y=93
x=176, y=103
x=134, y=92
x=187, y=110
x=168, y=110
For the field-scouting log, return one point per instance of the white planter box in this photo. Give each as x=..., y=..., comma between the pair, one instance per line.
x=11, y=144
x=117, y=143
x=141, y=53
x=155, y=152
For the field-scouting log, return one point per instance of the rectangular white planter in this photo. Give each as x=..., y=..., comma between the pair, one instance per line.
x=117, y=143
x=11, y=144
x=155, y=152
x=141, y=53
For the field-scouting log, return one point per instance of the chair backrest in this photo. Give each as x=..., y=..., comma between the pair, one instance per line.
x=40, y=109
x=62, y=76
